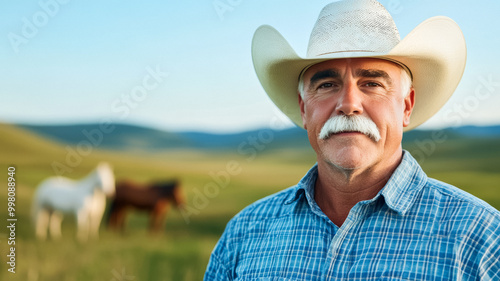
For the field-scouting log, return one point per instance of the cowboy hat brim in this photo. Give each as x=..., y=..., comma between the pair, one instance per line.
x=435, y=52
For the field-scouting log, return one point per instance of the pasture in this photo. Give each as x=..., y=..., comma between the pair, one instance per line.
x=216, y=185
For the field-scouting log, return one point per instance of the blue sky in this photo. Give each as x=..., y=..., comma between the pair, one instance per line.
x=88, y=61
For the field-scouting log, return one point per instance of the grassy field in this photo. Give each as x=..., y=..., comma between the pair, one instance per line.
x=182, y=251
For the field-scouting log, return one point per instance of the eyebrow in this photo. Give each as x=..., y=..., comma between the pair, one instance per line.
x=328, y=73
x=334, y=73
x=373, y=73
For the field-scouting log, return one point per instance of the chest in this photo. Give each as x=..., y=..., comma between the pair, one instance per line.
x=364, y=248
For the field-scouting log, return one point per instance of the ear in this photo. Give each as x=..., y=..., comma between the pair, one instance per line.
x=302, y=110
x=409, y=102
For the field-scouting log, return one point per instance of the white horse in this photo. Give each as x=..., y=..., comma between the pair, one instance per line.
x=85, y=199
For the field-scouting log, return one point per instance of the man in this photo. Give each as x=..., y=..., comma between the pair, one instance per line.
x=366, y=210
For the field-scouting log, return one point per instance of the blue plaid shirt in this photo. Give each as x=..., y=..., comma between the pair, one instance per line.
x=416, y=228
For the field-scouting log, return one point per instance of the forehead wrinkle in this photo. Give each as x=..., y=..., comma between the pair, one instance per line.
x=373, y=73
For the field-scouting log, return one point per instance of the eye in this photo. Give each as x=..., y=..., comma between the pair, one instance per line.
x=372, y=84
x=325, y=85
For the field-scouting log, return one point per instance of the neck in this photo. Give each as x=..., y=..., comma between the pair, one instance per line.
x=337, y=190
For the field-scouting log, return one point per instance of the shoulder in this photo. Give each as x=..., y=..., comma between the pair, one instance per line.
x=451, y=196
x=459, y=214
x=270, y=207
x=252, y=218
x=429, y=195
x=472, y=224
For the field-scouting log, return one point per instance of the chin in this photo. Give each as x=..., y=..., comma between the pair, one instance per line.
x=348, y=158
x=346, y=164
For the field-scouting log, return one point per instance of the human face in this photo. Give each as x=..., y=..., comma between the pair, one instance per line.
x=366, y=87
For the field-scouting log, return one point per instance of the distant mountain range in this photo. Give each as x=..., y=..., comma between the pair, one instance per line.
x=130, y=137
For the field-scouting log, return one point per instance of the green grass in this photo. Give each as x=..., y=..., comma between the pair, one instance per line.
x=182, y=251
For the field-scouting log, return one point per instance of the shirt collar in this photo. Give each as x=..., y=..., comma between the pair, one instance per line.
x=305, y=186
x=404, y=184
x=399, y=192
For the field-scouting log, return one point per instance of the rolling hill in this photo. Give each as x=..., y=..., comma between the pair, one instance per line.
x=130, y=137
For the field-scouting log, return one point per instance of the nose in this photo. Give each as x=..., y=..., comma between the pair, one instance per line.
x=350, y=100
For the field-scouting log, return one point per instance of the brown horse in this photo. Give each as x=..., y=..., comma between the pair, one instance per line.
x=154, y=198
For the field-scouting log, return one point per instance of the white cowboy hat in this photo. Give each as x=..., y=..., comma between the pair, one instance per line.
x=434, y=52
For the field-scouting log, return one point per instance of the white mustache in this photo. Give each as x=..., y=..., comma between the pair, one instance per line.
x=351, y=123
